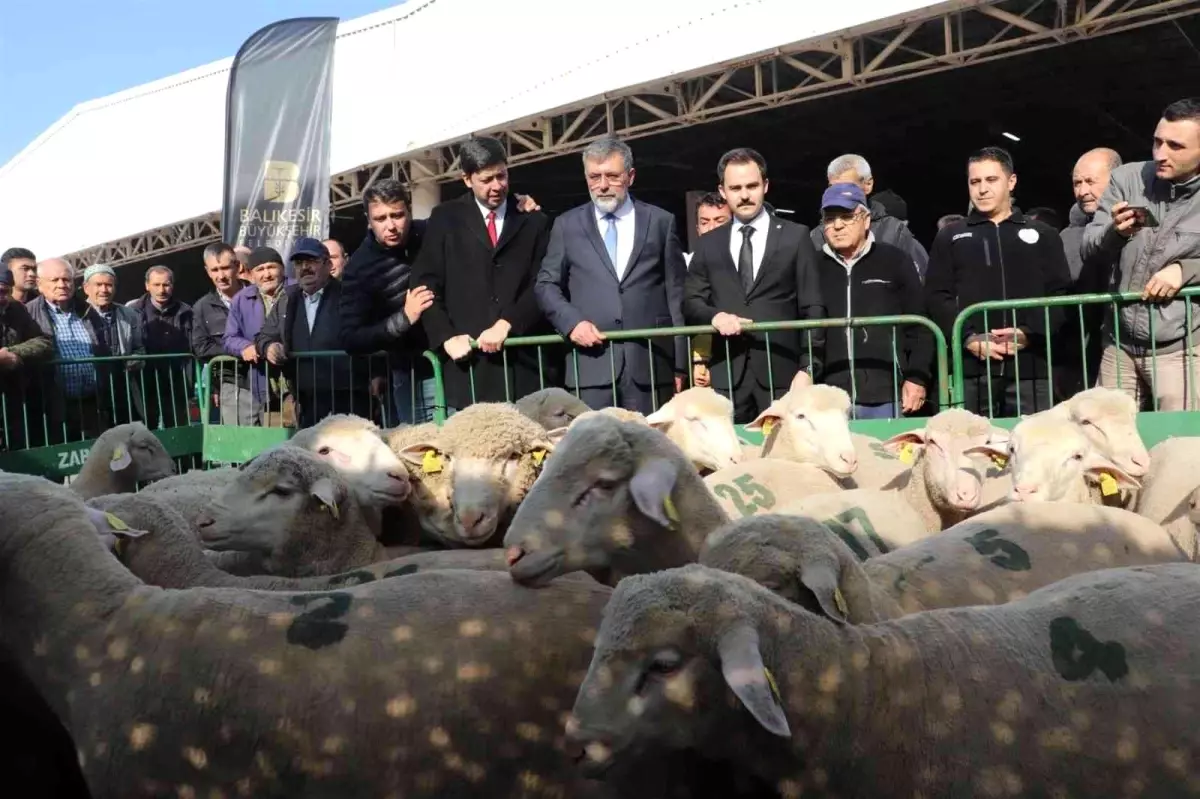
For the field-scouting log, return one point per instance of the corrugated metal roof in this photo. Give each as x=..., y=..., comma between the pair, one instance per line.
x=153, y=155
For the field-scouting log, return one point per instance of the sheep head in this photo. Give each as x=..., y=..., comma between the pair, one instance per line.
x=356, y=448
x=814, y=421
x=670, y=648
x=485, y=459
x=280, y=495
x=700, y=421
x=136, y=452
x=1053, y=460
x=1108, y=418
x=604, y=502
x=952, y=478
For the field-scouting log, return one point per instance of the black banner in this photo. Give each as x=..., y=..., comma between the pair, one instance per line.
x=277, y=120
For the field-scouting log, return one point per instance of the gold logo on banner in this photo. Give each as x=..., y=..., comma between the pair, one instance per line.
x=281, y=183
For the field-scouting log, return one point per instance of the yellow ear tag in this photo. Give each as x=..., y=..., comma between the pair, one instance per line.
x=669, y=509
x=840, y=601
x=1001, y=461
x=539, y=455
x=118, y=453
x=431, y=463
x=907, y=455
x=774, y=686
x=768, y=425
x=115, y=523
x=1108, y=485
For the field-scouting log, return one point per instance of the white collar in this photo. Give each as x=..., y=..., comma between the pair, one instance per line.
x=315, y=296
x=623, y=210
x=484, y=210
x=758, y=222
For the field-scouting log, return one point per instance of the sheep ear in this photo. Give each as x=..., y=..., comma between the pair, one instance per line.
x=327, y=494
x=120, y=458
x=662, y=417
x=1111, y=477
x=822, y=580
x=768, y=418
x=556, y=435
x=110, y=528
x=426, y=456
x=912, y=440
x=651, y=488
x=997, y=452
x=745, y=674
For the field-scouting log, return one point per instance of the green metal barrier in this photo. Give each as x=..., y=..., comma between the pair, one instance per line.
x=241, y=440
x=48, y=433
x=649, y=335
x=1008, y=310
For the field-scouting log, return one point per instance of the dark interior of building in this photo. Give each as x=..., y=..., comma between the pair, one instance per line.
x=1060, y=101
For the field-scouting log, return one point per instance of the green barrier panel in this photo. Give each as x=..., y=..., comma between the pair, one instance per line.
x=1073, y=322
x=693, y=331
x=233, y=443
x=66, y=428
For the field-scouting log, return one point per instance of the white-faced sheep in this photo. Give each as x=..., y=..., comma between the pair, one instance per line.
x=1170, y=494
x=700, y=422
x=1050, y=459
x=995, y=557
x=552, y=408
x=443, y=683
x=1108, y=417
x=475, y=469
x=810, y=424
x=616, y=498
x=122, y=457
x=1083, y=685
x=355, y=447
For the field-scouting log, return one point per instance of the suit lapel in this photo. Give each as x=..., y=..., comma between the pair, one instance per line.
x=774, y=233
x=641, y=229
x=474, y=220
x=591, y=228
x=513, y=220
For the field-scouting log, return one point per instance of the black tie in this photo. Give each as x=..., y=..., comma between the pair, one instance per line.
x=746, y=259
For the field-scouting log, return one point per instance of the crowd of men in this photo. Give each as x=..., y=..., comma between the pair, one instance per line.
x=489, y=266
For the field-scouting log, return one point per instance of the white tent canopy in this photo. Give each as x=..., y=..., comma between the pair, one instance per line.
x=153, y=155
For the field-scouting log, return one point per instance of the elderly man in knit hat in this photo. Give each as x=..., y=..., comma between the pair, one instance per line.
x=123, y=326
x=22, y=345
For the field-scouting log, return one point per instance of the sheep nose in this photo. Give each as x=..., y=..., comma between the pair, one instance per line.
x=1141, y=463
x=400, y=476
x=513, y=554
x=470, y=519
x=1023, y=491
x=966, y=495
x=849, y=461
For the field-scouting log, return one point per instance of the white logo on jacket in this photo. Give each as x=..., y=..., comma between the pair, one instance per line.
x=1029, y=235
x=958, y=236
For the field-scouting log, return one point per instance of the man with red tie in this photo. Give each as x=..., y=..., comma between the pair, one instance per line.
x=480, y=259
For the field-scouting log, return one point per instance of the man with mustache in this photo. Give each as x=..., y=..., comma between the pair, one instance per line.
x=756, y=268
x=616, y=263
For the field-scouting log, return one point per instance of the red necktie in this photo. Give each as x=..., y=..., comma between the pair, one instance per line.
x=491, y=224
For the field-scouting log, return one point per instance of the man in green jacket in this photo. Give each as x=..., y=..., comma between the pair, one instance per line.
x=1149, y=223
x=22, y=344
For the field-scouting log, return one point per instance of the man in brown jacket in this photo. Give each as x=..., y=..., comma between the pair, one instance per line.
x=22, y=344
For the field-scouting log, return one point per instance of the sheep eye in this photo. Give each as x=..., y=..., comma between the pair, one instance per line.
x=281, y=491
x=324, y=451
x=667, y=661
x=1077, y=456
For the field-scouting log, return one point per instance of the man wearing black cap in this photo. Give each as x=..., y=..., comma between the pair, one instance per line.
x=861, y=276
x=307, y=319
x=22, y=344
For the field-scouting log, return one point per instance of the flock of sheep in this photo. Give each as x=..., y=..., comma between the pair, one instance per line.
x=539, y=600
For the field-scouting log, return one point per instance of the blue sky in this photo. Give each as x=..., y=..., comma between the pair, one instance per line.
x=54, y=55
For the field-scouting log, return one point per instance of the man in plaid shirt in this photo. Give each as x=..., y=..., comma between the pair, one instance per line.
x=75, y=396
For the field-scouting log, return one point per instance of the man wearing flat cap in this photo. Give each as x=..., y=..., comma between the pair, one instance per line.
x=307, y=318
x=22, y=344
x=247, y=312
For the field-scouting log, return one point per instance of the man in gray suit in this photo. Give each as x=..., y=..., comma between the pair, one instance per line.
x=615, y=264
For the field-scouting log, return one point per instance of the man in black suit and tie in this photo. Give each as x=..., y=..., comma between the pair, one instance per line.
x=615, y=264
x=480, y=259
x=756, y=268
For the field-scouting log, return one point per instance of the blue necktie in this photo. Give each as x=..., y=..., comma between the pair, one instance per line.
x=610, y=240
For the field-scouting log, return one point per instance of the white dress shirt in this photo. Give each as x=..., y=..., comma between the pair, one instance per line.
x=312, y=303
x=625, y=233
x=758, y=239
x=483, y=209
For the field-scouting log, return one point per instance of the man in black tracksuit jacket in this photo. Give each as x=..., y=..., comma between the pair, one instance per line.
x=996, y=253
x=885, y=370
